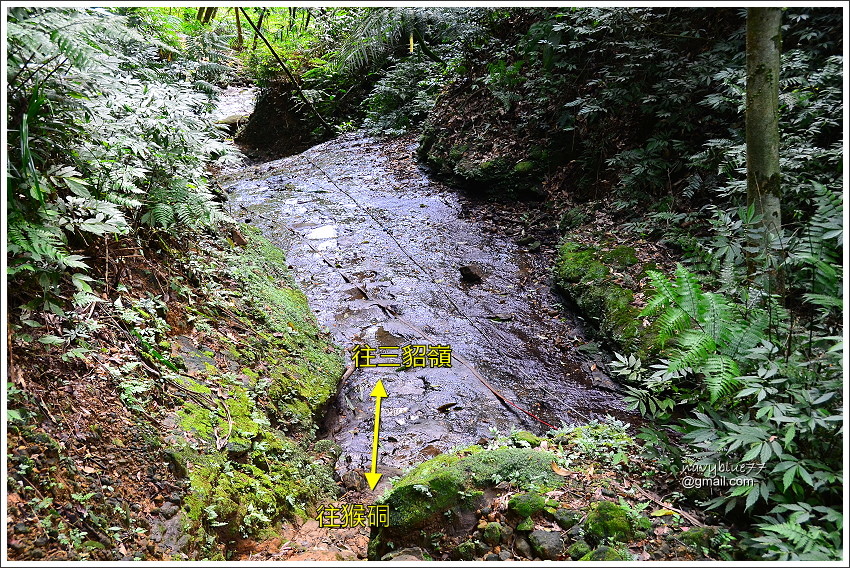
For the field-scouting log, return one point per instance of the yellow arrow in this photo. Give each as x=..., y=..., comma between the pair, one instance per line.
x=378, y=392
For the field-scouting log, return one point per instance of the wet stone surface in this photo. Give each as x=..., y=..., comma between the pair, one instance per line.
x=366, y=246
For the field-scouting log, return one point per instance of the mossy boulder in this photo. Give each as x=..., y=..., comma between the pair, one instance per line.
x=584, y=274
x=477, y=164
x=697, y=537
x=465, y=550
x=607, y=520
x=526, y=504
x=492, y=534
x=578, y=549
x=548, y=545
x=444, y=492
x=567, y=518
x=607, y=554
x=242, y=440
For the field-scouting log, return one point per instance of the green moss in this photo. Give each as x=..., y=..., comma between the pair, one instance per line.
x=492, y=534
x=621, y=256
x=526, y=504
x=567, y=518
x=606, y=520
x=578, y=550
x=576, y=264
x=524, y=437
x=697, y=537
x=581, y=273
x=457, y=151
x=453, y=482
x=527, y=524
x=523, y=167
x=465, y=550
x=607, y=554
x=246, y=475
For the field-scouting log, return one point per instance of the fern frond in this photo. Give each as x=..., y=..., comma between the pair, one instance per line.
x=717, y=316
x=664, y=293
x=693, y=349
x=745, y=337
x=721, y=375
x=689, y=294
x=674, y=320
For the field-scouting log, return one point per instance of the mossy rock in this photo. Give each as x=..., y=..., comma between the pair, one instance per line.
x=607, y=554
x=492, y=534
x=260, y=476
x=582, y=274
x=567, y=518
x=621, y=257
x=444, y=492
x=526, y=504
x=608, y=521
x=464, y=551
x=697, y=537
x=524, y=437
x=578, y=549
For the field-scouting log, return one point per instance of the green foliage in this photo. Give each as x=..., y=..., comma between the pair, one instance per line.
x=774, y=398
x=393, y=106
x=104, y=138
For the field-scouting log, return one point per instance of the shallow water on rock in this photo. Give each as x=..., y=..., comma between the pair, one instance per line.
x=366, y=245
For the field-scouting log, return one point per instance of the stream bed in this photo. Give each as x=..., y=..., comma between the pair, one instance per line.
x=379, y=257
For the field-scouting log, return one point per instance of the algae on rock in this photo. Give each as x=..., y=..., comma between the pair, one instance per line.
x=445, y=490
x=242, y=440
x=584, y=274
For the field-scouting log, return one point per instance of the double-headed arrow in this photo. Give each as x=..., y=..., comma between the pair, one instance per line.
x=378, y=392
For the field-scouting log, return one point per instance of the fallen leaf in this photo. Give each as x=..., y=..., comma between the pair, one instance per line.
x=559, y=470
x=662, y=530
x=662, y=512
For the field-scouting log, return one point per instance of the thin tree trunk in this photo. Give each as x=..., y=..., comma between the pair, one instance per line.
x=238, y=30
x=306, y=18
x=257, y=28
x=764, y=43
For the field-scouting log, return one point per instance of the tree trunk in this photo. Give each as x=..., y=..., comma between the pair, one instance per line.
x=764, y=42
x=258, y=28
x=238, y=30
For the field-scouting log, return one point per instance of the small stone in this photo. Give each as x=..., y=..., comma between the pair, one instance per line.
x=22, y=528
x=507, y=533
x=16, y=545
x=534, y=247
x=549, y=545
x=578, y=550
x=522, y=547
x=412, y=554
x=567, y=518
x=491, y=557
x=526, y=524
x=168, y=510
x=492, y=534
x=135, y=507
x=505, y=555
x=471, y=274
